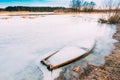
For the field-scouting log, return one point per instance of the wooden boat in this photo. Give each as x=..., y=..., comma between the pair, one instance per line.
x=68, y=54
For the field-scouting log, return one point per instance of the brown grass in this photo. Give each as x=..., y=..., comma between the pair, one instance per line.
x=113, y=19
x=14, y=12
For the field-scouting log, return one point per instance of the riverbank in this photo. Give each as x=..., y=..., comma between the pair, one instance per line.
x=55, y=12
x=110, y=70
x=25, y=13
x=13, y=12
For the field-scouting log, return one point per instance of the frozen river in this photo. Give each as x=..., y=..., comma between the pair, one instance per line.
x=25, y=40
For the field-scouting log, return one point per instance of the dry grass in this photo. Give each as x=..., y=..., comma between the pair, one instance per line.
x=13, y=12
x=113, y=19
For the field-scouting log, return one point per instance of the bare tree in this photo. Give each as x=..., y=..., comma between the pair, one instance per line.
x=81, y=5
x=77, y=5
x=92, y=5
x=88, y=6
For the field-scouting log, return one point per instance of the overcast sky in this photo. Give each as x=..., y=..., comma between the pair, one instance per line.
x=66, y=3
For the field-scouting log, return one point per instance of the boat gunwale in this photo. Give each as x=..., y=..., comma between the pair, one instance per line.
x=51, y=67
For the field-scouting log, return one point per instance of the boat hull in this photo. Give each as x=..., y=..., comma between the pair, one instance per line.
x=61, y=57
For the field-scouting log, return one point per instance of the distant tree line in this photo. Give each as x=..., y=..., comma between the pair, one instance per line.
x=82, y=5
x=75, y=6
x=34, y=9
x=1, y=9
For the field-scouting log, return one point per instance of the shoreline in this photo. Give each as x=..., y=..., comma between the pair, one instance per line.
x=24, y=13
x=110, y=70
x=14, y=12
x=28, y=12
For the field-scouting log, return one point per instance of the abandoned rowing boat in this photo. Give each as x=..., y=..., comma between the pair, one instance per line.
x=68, y=54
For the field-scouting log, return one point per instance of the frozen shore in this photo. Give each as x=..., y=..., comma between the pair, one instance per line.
x=110, y=70
x=26, y=39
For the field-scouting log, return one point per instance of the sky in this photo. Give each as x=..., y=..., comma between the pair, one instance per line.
x=64, y=3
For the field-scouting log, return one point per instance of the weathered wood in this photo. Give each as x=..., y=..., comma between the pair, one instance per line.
x=52, y=67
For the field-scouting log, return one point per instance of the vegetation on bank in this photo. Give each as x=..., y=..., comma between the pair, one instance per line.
x=110, y=7
x=113, y=13
x=32, y=9
x=75, y=6
x=51, y=9
x=82, y=5
x=114, y=19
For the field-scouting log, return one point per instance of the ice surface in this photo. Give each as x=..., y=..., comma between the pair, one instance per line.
x=23, y=42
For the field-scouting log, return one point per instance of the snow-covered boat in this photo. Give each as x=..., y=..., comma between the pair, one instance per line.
x=68, y=54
